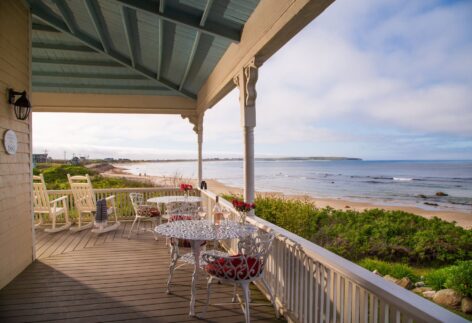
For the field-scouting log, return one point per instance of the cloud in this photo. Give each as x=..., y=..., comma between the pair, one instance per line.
x=373, y=79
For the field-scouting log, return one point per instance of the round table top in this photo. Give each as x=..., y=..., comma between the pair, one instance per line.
x=174, y=198
x=204, y=230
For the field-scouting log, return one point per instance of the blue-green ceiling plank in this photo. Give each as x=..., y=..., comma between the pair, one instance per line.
x=66, y=13
x=41, y=12
x=192, y=21
x=90, y=75
x=96, y=86
x=74, y=48
x=130, y=23
x=77, y=62
x=98, y=21
x=43, y=27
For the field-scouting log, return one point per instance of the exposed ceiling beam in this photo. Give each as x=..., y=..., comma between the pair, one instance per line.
x=190, y=60
x=66, y=13
x=160, y=41
x=74, y=48
x=79, y=62
x=41, y=27
x=195, y=44
x=99, y=86
x=191, y=21
x=90, y=75
x=130, y=23
x=105, y=103
x=42, y=12
x=206, y=11
x=98, y=22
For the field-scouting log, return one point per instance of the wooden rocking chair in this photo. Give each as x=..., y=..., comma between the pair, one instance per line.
x=86, y=203
x=54, y=208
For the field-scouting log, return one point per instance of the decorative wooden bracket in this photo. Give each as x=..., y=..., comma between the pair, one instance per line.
x=196, y=120
x=246, y=81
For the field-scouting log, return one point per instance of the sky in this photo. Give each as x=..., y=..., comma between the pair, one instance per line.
x=378, y=80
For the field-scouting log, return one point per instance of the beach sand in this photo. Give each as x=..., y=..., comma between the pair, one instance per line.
x=463, y=219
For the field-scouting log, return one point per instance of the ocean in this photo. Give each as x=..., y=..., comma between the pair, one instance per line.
x=408, y=183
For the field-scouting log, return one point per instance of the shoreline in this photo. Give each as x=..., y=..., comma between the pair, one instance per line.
x=463, y=219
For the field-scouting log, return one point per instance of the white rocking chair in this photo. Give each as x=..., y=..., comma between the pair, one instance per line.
x=86, y=203
x=54, y=208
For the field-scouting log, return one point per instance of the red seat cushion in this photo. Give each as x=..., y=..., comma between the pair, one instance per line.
x=147, y=210
x=240, y=267
x=179, y=217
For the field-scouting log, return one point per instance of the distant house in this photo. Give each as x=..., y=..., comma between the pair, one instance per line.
x=40, y=158
x=75, y=161
x=109, y=160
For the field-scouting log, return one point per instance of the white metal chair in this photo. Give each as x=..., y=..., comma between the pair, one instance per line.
x=241, y=269
x=54, y=208
x=145, y=212
x=86, y=203
x=180, y=208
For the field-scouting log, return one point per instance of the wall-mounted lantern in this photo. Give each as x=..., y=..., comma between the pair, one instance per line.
x=22, y=105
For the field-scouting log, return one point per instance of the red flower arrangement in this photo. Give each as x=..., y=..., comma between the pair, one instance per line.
x=242, y=206
x=185, y=187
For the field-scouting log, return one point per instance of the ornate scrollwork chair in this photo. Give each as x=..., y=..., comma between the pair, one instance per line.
x=143, y=212
x=241, y=269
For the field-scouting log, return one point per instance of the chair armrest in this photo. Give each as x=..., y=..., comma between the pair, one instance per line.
x=59, y=199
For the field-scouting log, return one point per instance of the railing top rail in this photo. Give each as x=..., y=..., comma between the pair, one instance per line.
x=125, y=190
x=388, y=291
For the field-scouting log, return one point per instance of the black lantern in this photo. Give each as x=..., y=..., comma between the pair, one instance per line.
x=22, y=105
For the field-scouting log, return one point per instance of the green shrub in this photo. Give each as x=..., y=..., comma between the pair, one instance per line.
x=55, y=177
x=394, y=236
x=460, y=278
x=385, y=268
x=437, y=278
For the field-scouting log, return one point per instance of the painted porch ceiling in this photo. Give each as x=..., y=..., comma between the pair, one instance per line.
x=141, y=47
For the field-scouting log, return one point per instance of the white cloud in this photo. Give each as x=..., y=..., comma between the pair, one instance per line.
x=360, y=77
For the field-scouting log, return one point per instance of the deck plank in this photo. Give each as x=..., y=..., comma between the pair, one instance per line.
x=107, y=278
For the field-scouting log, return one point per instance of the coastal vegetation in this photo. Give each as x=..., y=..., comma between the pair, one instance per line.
x=55, y=176
x=404, y=248
x=393, y=236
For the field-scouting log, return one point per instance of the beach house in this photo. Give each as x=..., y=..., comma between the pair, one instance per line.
x=154, y=57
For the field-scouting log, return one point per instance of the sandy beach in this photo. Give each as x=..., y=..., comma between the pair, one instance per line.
x=463, y=219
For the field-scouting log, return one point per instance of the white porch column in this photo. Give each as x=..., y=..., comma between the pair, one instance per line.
x=200, y=151
x=246, y=81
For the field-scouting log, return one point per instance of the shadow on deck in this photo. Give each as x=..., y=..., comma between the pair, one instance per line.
x=82, y=277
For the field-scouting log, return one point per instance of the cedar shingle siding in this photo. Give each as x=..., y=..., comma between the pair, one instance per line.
x=16, y=241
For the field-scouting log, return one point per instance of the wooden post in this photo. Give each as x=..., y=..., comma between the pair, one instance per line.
x=246, y=81
x=200, y=150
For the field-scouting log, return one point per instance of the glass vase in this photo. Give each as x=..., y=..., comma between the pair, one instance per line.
x=242, y=217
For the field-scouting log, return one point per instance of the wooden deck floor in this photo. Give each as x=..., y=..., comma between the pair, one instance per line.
x=82, y=277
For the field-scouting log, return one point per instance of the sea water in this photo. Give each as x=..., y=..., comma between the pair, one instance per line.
x=384, y=182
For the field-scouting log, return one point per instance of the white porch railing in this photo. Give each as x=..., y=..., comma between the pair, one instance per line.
x=312, y=284
x=122, y=200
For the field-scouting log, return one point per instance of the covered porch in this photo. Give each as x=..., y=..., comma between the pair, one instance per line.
x=81, y=277
x=157, y=57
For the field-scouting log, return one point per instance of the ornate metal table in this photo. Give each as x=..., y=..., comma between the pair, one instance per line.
x=197, y=231
x=174, y=198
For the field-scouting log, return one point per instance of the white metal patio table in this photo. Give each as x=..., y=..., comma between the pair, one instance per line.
x=197, y=231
